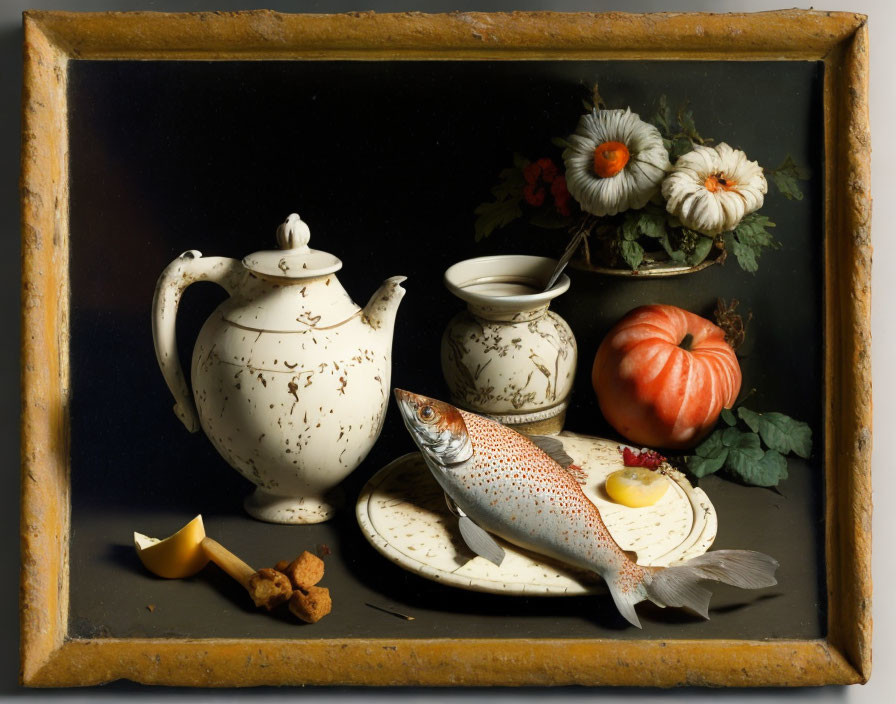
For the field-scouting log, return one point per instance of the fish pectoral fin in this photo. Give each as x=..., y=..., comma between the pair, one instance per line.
x=553, y=448
x=479, y=541
x=453, y=507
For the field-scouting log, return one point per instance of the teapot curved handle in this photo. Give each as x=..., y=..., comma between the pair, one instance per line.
x=188, y=268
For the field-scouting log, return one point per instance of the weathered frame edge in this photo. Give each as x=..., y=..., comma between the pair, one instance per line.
x=263, y=34
x=45, y=518
x=840, y=40
x=848, y=349
x=400, y=662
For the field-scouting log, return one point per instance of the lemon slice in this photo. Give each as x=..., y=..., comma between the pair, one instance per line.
x=636, y=487
x=178, y=555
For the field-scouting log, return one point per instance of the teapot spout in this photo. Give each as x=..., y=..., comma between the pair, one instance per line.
x=379, y=313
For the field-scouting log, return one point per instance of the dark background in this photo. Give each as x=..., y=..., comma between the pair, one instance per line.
x=386, y=162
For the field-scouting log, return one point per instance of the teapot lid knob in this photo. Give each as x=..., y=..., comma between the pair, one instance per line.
x=293, y=233
x=295, y=259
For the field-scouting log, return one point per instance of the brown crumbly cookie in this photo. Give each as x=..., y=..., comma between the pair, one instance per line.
x=305, y=571
x=311, y=604
x=269, y=588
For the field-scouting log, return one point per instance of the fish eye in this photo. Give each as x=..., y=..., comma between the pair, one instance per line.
x=426, y=413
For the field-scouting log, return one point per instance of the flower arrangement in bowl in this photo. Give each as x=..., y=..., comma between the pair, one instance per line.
x=644, y=197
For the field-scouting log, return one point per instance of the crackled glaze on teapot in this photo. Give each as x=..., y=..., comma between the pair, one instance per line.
x=290, y=378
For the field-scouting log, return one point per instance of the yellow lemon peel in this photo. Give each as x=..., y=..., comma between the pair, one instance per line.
x=636, y=487
x=176, y=556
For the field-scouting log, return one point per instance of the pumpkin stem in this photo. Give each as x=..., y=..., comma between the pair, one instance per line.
x=686, y=342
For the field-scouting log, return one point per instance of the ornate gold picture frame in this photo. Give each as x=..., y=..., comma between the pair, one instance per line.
x=50, y=657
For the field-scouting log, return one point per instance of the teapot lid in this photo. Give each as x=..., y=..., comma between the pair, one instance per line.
x=295, y=259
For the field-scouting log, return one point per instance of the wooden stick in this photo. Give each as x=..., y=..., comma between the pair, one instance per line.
x=267, y=587
x=227, y=561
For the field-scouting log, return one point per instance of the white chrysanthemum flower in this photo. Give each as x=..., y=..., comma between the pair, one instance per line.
x=711, y=189
x=614, y=162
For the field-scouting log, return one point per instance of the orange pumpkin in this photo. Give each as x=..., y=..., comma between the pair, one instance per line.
x=663, y=375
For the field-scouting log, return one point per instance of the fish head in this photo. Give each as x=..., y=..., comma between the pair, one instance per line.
x=437, y=428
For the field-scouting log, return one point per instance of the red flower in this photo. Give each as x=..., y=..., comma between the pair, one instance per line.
x=531, y=172
x=548, y=170
x=533, y=194
x=644, y=458
x=561, y=195
x=541, y=175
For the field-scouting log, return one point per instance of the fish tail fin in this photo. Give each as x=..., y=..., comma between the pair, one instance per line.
x=678, y=585
x=626, y=594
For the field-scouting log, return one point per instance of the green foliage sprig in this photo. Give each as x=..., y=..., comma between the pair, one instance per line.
x=677, y=128
x=786, y=176
x=654, y=223
x=509, y=204
x=508, y=193
x=747, y=241
x=740, y=452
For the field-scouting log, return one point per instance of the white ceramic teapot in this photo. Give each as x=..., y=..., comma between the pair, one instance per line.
x=290, y=378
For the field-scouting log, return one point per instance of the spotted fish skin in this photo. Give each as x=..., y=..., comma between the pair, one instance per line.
x=508, y=486
x=515, y=490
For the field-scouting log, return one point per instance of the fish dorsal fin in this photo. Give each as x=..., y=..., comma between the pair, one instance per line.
x=553, y=448
x=479, y=541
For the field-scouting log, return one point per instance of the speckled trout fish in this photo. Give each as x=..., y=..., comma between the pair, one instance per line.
x=503, y=483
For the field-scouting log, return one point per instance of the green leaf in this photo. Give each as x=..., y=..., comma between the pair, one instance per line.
x=800, y=439
x=787, y=185
x=728, y=417
x=510, y=185
x=732, y=437
x=663, y=118
x=629, y=229
x=746, y=257
x=495, y=215
x=680, y=146
x=749, y=417
x=702, y=248
x=560, y=142
x=752, y=231
x=748, y=239
x=743, y=453
x=779, y=432
x=631, y=252
x=786, y=176
x=740, y=454
x=768, y=470
x=701, y=466
x=652, y=224
x=712, y=447
x=519, y=161
x=686, y=120
x=676, y=255
x=684, y=245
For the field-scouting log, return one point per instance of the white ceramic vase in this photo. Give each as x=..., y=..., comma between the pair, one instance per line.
x=507, y=356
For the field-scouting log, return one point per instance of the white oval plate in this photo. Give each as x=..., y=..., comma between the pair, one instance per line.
x=402, y=513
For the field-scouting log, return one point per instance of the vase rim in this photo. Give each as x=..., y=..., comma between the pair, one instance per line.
x=501, y=281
